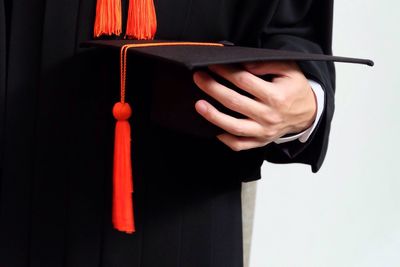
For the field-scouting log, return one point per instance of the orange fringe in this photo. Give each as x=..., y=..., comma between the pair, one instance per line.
x=108, y=18
x=142, y=20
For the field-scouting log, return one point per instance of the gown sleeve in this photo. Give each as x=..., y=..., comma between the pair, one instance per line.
x=304, y=26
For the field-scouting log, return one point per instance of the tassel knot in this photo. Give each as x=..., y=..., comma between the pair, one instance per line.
x=122, y=111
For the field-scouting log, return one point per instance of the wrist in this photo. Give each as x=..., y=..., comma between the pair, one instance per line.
x=305, y=135
x=309, y=114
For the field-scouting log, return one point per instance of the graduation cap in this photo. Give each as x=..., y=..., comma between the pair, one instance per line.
x=174, y=92
x=173, y=63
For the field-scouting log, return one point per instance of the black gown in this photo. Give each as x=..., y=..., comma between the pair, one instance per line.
x=56, y=137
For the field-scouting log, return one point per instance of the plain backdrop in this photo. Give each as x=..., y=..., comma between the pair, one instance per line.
x=348, y=214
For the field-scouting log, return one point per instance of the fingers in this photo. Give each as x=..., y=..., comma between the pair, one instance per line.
x=229, y=98
x=281, y=106
x=244, y=80
x=241, y=143
x=239, y=127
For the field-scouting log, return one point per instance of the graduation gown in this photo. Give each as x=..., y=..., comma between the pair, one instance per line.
x=56, y=137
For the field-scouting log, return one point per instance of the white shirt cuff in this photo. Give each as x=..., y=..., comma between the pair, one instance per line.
x=303, y=136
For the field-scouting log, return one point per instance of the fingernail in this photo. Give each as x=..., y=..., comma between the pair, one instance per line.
x=199, y=76
x=196, y=75
x=201, y=107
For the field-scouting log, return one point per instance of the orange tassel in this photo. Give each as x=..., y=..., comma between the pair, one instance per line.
x=122, y=213
x=123, y=218
x=142, y=20
x=108, y=18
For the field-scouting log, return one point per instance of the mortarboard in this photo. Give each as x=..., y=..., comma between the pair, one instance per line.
x=173, y=64
x=173, y=89
x=175, y=94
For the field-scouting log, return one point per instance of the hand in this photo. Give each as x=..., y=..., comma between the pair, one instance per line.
x=285, y=105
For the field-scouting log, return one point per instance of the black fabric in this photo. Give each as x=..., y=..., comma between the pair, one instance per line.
x=57, y=136
x=3, y=70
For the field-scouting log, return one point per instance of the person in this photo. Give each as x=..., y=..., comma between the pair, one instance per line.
x=56, y=131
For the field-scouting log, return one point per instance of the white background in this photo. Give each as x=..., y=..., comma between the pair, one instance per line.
x=348, y=214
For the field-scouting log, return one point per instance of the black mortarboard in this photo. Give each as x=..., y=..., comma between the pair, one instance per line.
x=174, y=92
x=174, y=95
